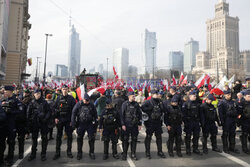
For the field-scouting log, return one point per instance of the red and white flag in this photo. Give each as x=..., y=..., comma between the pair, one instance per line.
x=174, y=81
x=181, y=77
x=115, y=73
x=184, y=81
x=80, y=92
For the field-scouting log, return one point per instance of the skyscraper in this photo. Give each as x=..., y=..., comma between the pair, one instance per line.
x=222, y=53
x=61, y=70
x=74, y=53
x=149, y=51
x=120, y=62
x=223, y=33
x=175, y=60
x=190, y=50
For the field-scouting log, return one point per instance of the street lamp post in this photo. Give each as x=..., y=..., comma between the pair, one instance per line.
x=107, y=67
x=36, y=77
x=153, y=62
x=46, y=46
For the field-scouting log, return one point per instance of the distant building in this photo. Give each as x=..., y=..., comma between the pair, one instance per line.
x=175, y=60
x=190, y=50
x=149, y=52
x=4, y=22
x=222, y=43
x=120, y=62
x=61, y=70
x=244, y=62
x=132, y=71
x=74, y=53
x=92, y=70
x=101, y=69
x=18, y=36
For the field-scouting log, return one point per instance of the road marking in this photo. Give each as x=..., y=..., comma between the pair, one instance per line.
x=230, y=157
x=129, y=160
x=25, y=154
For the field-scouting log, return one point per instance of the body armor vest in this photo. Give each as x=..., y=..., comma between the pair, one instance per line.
x=156, y=112
x=246, y=111
x=175, y=116
x=131, y=115
x=85, y=114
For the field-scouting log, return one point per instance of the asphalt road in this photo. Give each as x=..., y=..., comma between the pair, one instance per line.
x=212, y=159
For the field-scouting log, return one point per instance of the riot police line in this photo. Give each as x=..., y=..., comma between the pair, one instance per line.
x=122, y=118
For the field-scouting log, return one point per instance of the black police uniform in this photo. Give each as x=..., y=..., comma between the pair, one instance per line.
x=228, y=117
x=244, y=111
x=12, y=107
x=21, y=124
x=109, y=122
x=117, y=103
x=3, y=134
x=131, y=118
x=84, y=118
x=63, y=107
x=173, y=118
x=154, y=109
x=51, y=123
x=191, y=119
x=38, y=115
x=208, y=118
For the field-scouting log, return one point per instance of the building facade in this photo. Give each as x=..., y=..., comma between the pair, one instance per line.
x=61, y=70
x=4, y=20
x=18, y=36
x=120, y=61
x=190, y=50
x=74, y=58
x=175, y=61
x=244, y=62
x=222, y=42
x=149, y=52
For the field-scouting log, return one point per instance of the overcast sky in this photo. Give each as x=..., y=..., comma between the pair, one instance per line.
x=108, y=24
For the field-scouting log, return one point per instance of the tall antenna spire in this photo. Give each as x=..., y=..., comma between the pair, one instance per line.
x=70, y=18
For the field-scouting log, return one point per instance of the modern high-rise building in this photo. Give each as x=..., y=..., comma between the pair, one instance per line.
x=175, y=61
x=4, y=20
x=190, y=50
x=61, y=70
x=120, y=62
x=74, y=58
x=149, y=52
x=101, y=69
x=222, y=43
x=18, y=36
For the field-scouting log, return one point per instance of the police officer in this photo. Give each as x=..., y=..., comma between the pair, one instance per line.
x=191, y=119
x=228, y=116
x=117, y=102
x=131, y=124
x=173, y=121
x=38, y=115
x=12, y=106
x=3, y=135
x=109, y=124
x=208, y=118
x=63, y=107
x=244, y=111
x=155, y=110
x=21, y=121
x=84, y=118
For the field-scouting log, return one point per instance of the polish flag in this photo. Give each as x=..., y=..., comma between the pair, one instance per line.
x=184, y=81
x=80, y=92
x=181, y=77
x=174, y=81
x=198, y=83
